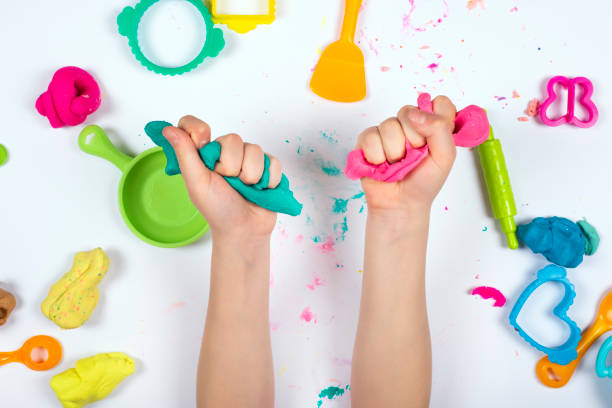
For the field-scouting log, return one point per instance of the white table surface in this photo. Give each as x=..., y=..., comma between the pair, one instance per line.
x=55, y=200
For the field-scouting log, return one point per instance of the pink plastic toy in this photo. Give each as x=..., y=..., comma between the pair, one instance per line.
x=585, y=100
x=487, y=292
x=471, y=129
x=72, y=95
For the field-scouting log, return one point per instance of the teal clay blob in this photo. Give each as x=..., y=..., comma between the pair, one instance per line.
x=331, y=393
x=591, y=236
x=129, y=20
x=279, y=199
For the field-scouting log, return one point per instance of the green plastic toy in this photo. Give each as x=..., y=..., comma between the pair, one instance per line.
x=498, y=185
x=155, y=206
x=3, y=155
x=278, y=199
x=129, y=20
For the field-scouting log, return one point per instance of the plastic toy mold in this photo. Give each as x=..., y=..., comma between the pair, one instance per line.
x=603, y=370
x=129, y=20
x=570, y=117
x=242, y=23
x=566, y=352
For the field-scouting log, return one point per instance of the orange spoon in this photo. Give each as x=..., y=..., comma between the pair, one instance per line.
x=24, y=354
x=555, y=375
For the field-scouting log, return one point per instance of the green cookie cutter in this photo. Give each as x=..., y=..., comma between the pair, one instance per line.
x=129, y=20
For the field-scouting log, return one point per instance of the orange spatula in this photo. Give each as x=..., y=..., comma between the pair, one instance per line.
x=340, y=73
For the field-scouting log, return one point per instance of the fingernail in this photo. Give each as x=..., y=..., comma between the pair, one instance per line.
x=416, y=116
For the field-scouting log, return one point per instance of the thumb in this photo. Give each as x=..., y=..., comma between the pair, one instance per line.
x=438, y=130
x=195, y=174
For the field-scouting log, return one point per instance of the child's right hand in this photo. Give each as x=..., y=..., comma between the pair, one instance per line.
x=226, y=211
x=387, y=142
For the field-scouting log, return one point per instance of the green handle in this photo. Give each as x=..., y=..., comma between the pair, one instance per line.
x=498, y=185
x=93, y=140
x=349, y=24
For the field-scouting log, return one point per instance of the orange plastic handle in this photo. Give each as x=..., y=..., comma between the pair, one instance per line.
x=555, y=375
x=349, y=24
x=24, y=354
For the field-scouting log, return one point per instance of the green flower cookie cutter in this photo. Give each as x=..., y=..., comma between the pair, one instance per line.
x=129, y=20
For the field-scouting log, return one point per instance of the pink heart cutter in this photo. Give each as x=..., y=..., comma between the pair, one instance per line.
x=585, y=100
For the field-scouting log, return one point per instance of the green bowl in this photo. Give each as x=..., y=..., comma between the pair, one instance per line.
x=155, y=206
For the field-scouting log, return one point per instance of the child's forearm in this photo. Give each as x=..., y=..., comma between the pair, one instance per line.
x=235, y=368
x=392, y=356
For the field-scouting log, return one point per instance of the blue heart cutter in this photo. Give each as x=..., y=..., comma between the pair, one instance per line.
x=565, y=353
x=602, y=368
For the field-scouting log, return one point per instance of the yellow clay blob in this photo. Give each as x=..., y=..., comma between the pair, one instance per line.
x=92, y=379
x=73, y=298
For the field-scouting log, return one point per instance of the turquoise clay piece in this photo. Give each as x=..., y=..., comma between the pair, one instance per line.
x=129, y=20
x=560, y=240
x=591, y=235
x=279, y=199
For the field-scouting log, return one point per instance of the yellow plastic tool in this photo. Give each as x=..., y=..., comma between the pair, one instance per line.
x=242, y=23
x=555, y=375
x=340, y=73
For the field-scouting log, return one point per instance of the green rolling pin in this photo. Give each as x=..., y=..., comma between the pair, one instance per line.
x=498, y=185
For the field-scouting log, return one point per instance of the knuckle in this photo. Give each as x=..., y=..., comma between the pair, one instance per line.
x=439, y=124
x=233, y=139
x=371, y=139
x=403, y=112
x=275, y=165
x=185, y=118
x=253, y=149
x=389, y=123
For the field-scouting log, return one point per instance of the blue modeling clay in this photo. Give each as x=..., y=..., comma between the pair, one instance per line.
x=566, y=352
x=279, y=199
x=601, y=366
x=560, y=240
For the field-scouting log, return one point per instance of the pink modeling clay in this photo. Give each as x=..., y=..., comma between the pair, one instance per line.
x=471, y=129
x=585, y=100
x=72, y=95
x=487, y=292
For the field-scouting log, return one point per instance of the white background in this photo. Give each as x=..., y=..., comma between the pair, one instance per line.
x=56, y=200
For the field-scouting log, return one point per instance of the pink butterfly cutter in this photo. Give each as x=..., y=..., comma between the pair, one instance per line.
x=585, y=100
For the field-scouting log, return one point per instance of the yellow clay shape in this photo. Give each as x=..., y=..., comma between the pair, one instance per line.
x=92, y=379
x=73, y=298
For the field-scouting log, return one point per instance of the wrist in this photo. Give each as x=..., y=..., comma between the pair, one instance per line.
x=248, y=249
x=396, y=223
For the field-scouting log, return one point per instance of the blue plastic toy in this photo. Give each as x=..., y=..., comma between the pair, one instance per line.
x=601, y=366
x=279, y=199
x=566, y=352
x=560, y=240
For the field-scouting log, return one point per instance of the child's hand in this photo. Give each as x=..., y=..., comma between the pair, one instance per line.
x=226, y=211
x=387, y=142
